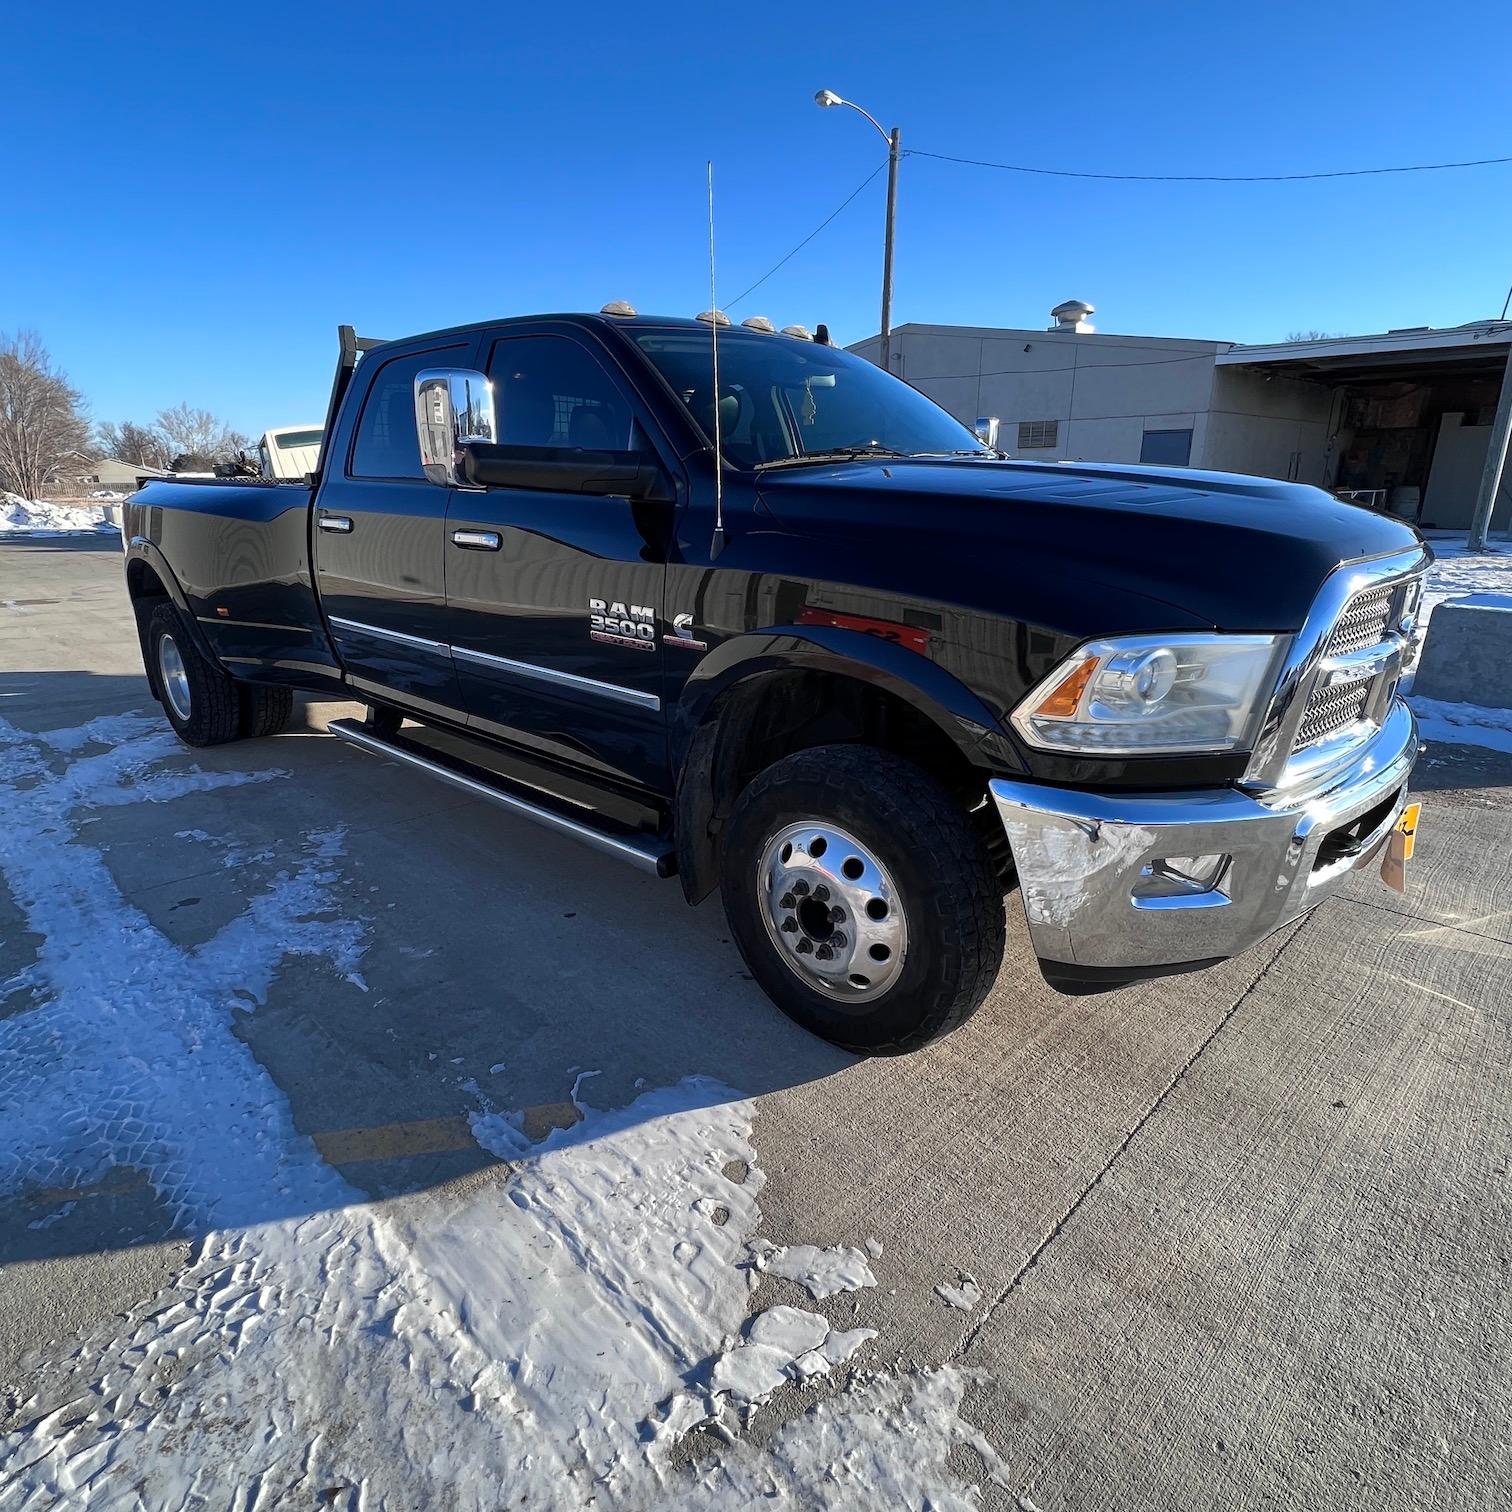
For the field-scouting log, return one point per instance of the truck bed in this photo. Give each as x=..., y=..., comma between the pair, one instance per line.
x=239, y=550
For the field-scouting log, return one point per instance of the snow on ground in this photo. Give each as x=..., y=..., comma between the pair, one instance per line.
x=547, y=1340
x=1462, y=724
x=1457, y=570
x=20, y=516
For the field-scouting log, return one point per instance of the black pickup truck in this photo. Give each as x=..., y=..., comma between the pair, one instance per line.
x=768, y=619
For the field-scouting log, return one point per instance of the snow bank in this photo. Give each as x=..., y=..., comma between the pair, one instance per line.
x=544, y=1338
x=20, y=516
x=1462, y=724
x=1458, y=570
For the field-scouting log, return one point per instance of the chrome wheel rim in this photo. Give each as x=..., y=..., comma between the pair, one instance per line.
x=173, y=676
x=832, y=911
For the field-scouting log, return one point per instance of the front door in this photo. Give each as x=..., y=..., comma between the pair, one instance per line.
x=380, y=542
x=555, y=599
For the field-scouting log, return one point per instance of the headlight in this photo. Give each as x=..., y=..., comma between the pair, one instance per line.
x=1143, y=695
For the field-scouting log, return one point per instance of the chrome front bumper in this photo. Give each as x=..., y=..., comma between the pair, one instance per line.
x=1102, y=907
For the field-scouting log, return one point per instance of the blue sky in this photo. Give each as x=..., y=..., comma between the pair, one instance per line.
x=197, y=195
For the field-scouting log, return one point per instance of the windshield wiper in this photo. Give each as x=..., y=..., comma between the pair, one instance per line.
x=837, y=454
x=965, y=451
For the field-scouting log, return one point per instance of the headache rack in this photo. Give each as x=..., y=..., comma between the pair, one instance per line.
x=352, y=348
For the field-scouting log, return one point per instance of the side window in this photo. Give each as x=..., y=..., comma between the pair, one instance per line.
x=549, y=391
x=386, y=445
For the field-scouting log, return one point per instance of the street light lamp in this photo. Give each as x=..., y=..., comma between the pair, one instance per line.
x=825, y=98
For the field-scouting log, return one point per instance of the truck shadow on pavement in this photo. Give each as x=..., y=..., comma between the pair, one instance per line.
x=224, y=970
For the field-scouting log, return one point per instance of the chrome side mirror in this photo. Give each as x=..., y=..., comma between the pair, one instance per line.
x=987, y=430
x=452, y=407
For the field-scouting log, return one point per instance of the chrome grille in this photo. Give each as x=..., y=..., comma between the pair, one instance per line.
x=1363, y=622
x=1329, y=710
x=1338, y=680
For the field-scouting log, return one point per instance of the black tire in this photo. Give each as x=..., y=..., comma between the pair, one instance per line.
x=264, y=710
x=950, y=896
x=213, y=713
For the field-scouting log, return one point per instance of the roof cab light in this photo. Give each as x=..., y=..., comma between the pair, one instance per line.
x=1146, y=695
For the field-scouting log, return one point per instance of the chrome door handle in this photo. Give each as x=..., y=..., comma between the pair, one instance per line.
x=477, y=540
x=339, y=524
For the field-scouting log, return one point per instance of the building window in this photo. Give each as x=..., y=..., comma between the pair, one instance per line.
x=1169, y=448
x=1038, y=435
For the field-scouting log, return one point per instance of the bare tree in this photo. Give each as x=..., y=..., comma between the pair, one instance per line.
x=1314, y=335
x=42, y=428
x=130, y=442
x=198, y=435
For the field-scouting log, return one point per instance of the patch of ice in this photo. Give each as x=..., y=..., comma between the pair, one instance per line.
x=884, y=1443
x=822, y=1272
x=965, y=1295
x=56, y=1216
x=789, y=1329
x=578, y=1081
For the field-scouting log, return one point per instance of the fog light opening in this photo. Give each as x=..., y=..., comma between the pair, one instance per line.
x=1173, y=876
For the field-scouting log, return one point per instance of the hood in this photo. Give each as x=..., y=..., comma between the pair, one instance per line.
x=1228, y=551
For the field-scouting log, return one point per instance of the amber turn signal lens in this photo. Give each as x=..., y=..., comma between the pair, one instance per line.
x=1062, y=700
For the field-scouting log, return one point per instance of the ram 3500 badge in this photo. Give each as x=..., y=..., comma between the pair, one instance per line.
x=1160, y=705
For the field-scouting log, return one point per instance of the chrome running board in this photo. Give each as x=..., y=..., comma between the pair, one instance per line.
x=648, y=853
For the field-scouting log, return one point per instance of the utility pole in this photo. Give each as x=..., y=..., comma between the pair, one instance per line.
x=1496, y=462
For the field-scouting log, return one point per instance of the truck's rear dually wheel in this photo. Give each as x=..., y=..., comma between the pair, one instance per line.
x=862, y=898
x=200, y=701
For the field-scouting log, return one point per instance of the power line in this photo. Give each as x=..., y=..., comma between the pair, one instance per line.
x=1079, y=367
x=1128, y=178
x=812, y=234
x=1204, y=178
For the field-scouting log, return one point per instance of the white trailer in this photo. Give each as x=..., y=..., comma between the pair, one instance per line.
x=292, y=451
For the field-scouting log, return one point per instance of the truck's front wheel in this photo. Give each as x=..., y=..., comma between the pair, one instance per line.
x=200, y=701
x=862, y=898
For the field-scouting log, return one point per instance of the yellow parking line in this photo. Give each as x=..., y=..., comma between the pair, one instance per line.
x=395, y=1141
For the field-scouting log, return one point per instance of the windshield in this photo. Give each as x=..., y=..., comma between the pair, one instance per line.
x=783, y=398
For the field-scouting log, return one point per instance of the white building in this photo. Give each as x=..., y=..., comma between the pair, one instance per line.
x=1403, y=418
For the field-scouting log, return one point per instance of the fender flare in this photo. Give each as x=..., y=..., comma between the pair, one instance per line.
x=927, y=687
x=936, y=693
x=140, y=549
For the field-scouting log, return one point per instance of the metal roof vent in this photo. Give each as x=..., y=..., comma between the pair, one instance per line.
x=759, y=323
x=800, y=331
x=619, y=307
x=1072, y=316
x=714, y=317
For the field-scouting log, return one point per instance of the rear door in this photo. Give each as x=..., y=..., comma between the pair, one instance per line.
x=380, y=539
x=555, y=598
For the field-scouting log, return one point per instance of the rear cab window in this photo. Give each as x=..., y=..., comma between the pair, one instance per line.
x=386, y=444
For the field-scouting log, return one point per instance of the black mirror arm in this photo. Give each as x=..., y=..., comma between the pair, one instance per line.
x=556, y=469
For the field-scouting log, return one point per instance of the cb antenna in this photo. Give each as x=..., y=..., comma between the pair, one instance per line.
x=717, y=544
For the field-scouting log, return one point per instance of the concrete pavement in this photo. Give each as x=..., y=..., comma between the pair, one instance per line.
x=1241, y=1238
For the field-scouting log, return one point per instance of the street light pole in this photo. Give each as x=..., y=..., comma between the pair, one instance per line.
x=826, y=98
x=887, y=250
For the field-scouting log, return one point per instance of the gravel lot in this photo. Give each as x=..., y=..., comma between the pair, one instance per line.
x=1232, y=1240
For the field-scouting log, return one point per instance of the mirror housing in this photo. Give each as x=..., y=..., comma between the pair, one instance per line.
x=453, y=407
x=987, y=430
x=560, y=469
